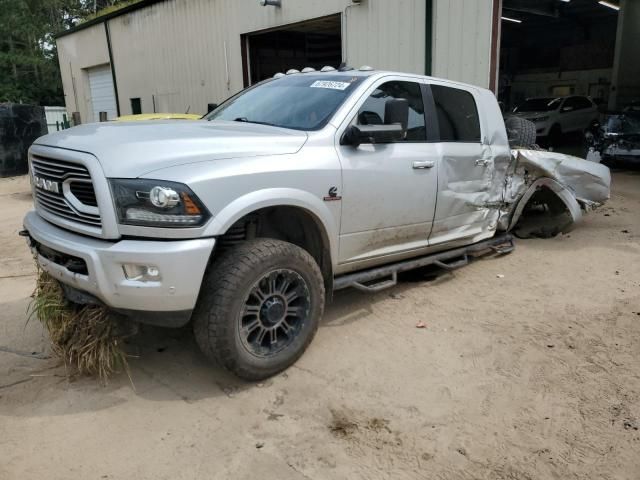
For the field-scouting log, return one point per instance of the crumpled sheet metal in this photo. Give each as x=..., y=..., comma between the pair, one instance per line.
x=589, y=182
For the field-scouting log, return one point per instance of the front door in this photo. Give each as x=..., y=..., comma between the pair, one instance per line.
x=389, y=190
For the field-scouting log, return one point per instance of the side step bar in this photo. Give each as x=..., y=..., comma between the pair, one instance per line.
x=448, y=260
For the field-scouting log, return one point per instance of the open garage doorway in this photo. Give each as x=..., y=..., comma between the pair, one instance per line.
x=314, y=43
x=557, y=64
x=556, y=48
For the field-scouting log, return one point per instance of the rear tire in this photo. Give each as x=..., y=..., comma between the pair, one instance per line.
x=259, y=307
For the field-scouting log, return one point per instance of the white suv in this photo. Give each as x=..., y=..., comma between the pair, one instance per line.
x=554, y=116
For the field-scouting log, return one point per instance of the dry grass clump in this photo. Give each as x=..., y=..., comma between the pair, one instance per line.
x=88, y=338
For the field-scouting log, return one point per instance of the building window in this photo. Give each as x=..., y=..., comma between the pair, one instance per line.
x=136, y=106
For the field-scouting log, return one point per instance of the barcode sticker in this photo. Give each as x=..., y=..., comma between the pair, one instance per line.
x=330, y=84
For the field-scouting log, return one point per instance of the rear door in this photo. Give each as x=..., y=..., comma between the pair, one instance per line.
x=575, y=114
x=465, y=171
x=587, y=113
x=389, y=190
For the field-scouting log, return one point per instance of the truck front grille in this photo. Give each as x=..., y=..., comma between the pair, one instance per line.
x=54, y=200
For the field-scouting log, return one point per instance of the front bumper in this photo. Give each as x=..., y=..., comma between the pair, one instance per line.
x=181, y=265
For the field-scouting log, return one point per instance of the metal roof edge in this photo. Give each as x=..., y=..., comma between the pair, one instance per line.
x=108, y=16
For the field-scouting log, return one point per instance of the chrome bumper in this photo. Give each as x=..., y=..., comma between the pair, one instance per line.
x=181, y=265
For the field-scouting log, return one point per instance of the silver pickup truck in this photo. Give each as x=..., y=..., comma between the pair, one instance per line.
x=246, y=221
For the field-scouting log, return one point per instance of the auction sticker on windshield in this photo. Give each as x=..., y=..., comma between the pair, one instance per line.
x=330, y=84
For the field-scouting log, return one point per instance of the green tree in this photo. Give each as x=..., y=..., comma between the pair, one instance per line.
x=29, y=69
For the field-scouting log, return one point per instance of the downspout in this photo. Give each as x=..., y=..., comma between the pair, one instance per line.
x=428, y=37
x=344, y=30
x=113, y=67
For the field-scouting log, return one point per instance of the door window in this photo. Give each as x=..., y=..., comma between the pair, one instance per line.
x=457, y=114
x=582, y=103
x=372, y=111
x=577, y=103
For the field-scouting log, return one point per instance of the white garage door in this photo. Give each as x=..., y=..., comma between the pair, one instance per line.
x=103, y=98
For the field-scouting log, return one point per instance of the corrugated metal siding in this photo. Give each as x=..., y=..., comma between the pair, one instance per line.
x=174, y=51
x=76, y=53
x=462, y=40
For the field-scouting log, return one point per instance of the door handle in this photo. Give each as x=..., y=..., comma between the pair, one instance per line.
x=482, y=162
x=423, y=165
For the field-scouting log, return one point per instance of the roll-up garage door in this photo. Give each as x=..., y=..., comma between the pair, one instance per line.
x=103, y=98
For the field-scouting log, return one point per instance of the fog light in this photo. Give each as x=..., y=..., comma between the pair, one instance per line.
x=142, y=273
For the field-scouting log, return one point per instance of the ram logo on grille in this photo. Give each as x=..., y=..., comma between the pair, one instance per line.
x=63, y=190
x=48, y=185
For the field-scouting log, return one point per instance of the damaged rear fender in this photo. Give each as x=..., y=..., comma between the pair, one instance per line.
x=562, y=193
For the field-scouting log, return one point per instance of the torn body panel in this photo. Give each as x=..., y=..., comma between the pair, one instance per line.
x=560, y=186
x=471, y=180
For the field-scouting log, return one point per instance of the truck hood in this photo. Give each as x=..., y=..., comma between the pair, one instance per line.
x=132, y=149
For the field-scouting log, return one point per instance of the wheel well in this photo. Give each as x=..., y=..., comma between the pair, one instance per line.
x=544, y=215
x=290, y=224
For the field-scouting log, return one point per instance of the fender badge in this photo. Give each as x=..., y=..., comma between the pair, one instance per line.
x=333, y=195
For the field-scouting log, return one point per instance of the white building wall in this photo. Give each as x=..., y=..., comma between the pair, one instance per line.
x=626, y=63
x=462, y=40
x=173, y=52
x=76, y=53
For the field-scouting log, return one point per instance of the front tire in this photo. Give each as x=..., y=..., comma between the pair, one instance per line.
x=259, y=307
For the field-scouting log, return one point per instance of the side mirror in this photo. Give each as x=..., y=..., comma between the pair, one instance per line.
x=211, y=107
x=396, y=118
x=356, y=135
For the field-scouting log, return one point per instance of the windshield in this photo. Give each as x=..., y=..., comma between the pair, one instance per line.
x=299, y=101
x=538, y=105
x=628, y=123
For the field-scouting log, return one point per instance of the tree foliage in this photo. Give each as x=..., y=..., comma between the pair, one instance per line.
x=29, y=69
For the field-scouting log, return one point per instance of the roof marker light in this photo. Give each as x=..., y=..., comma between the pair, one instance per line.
x=365, y=68
x=292, y=71
x=308, y=70
x=278, y=75
x=327, y=68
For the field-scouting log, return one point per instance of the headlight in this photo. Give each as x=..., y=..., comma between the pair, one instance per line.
x=540, y=119
x=157, y=203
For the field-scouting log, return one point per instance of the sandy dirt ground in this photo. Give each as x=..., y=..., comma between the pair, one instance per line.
x=528, y=368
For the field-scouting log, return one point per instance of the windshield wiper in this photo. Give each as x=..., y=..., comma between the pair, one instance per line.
x=246, y=120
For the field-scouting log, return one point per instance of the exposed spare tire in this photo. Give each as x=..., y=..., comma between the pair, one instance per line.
x=521, y=132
